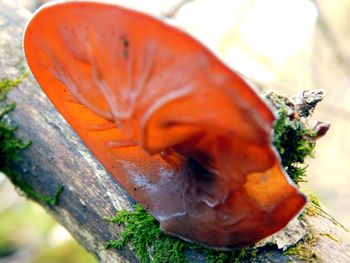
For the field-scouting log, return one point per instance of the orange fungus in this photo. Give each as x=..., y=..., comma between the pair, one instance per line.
x=184, y=135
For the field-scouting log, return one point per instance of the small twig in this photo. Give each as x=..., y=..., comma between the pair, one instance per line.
x=174, y=10
x=306, y=101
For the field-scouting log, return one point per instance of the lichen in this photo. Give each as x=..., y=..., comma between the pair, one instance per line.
x=330, y=236
x=11, y=146
x=294, y=142
x=304, y=249
x=315, y=208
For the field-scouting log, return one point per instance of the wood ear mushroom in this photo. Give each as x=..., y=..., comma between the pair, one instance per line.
x=186, y=136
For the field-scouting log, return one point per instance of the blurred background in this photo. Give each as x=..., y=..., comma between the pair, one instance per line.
x=282, y=45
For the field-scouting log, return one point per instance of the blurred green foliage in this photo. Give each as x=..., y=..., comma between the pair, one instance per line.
x=27, y=225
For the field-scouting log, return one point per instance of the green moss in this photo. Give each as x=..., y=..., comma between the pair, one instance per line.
x=11, y=146
x=142, y=231
x=292, y=139
x=7, y=84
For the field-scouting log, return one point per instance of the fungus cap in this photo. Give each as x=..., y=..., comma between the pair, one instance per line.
x=185, y=135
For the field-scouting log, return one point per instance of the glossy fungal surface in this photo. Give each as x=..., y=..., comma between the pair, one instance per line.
x=185, y=136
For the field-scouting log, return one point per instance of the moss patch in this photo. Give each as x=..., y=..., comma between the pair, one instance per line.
x=292, y=139
x=305, y=249
x=142, y=231
x=11, y=146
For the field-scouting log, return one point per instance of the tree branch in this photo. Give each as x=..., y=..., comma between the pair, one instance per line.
x=57, y=157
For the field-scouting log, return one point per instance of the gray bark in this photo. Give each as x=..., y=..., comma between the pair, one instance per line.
x=57, y=157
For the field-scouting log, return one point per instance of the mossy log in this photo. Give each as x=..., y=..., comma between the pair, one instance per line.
x=57, y=157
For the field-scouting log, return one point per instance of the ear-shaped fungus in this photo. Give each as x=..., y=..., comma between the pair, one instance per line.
x=181, y=132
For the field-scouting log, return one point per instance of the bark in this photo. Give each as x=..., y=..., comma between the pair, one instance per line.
x=57, y=157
